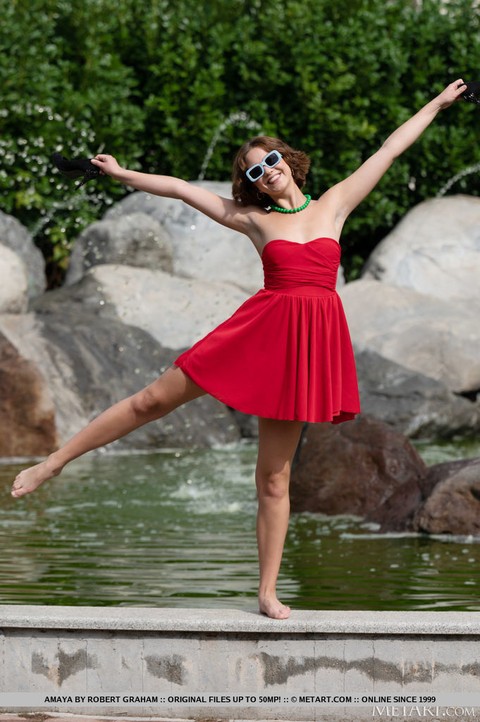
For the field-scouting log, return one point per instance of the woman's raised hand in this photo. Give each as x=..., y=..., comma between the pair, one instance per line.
x=108, y=165
x=451, y=93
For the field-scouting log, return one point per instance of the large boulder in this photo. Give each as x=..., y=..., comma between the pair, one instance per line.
x=366, y=469
x=135, y=239
x=13, y=282
x=27, y=414
x=361, y=467
x=434, y=250
x=453, y=507
x=201, y=248
x=15, y=237
x=412, y=403
x=437, y=338
x=88, y=363
x=175, y=311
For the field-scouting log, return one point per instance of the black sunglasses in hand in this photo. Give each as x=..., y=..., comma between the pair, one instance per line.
x=472, y=93
x=76, y=168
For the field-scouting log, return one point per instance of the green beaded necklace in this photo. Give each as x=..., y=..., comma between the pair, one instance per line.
x=279, y=209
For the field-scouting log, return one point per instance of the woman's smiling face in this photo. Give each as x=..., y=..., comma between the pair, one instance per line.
x=274, y=180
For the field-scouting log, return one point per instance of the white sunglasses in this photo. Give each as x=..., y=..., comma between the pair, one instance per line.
x=258, y=169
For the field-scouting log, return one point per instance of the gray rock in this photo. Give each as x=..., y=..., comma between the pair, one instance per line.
x=437, y=338
x=453, y=507
x=361, y=467
x=434, y=250
x=16, y=237
x=202, y=248
x=13, y=282
x=136, y=239
x=412, y=403
x=175, y=311
x=89, y=363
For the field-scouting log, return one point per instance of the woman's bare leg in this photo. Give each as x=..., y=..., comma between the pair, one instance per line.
x=278, y=441
x=172, y=389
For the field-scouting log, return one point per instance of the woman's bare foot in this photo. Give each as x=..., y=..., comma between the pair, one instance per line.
x=30, y=479
x=271, y=607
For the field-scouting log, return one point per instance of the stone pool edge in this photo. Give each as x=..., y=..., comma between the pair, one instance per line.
x=174, y=656
x=158, y=619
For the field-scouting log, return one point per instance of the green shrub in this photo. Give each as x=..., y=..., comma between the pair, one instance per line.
x=63, y=90
x=156, y=82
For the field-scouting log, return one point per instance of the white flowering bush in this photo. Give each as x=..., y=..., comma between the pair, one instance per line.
x=61, y=89
x=33, y=190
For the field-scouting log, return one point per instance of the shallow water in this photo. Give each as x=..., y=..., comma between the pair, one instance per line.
x=177, y=529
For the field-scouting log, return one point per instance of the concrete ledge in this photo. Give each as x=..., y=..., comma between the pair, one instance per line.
x=148, y=619
x=228, y=664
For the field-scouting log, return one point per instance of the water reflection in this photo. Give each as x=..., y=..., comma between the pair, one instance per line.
x=177, y=529
x=362, y=570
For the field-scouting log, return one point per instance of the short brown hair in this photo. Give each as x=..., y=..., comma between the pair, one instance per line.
x=243, y=191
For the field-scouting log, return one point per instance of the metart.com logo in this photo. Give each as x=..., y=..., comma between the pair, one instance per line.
x=461, y=714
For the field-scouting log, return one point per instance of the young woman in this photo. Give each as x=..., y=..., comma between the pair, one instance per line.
x=285, y=355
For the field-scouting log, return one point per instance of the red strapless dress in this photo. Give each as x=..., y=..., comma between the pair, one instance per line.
x=286, y=352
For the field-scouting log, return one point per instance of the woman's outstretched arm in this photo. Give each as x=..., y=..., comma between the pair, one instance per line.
x=346, y=195
x=222, y=210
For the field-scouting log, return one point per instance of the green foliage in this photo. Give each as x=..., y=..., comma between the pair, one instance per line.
x=156, y=82
x=62, y=90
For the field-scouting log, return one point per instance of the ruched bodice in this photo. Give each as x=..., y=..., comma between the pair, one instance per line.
x=288, y=265
x=286, y=352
